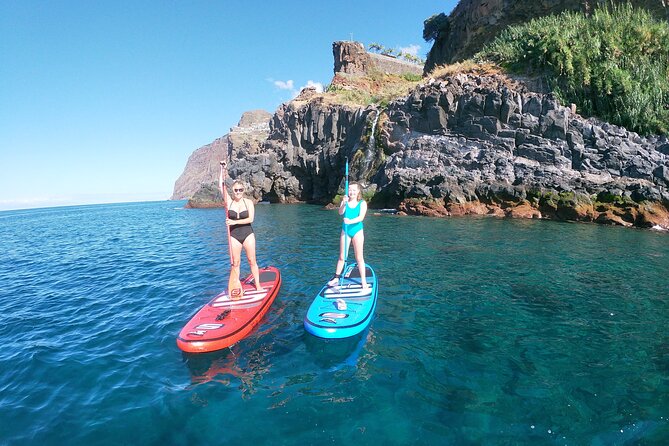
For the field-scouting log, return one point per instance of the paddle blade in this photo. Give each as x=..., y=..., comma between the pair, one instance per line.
x=235, y=290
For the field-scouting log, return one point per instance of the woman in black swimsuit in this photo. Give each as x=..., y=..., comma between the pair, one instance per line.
x=240, y=216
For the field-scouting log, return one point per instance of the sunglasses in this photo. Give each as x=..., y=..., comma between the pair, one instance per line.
x=238, y=190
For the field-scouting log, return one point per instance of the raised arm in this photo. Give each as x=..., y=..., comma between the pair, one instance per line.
x=221, y=185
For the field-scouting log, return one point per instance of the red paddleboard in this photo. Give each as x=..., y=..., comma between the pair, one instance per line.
x=226, y=320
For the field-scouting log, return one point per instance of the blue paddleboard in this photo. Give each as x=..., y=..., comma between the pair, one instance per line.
x=343, y=310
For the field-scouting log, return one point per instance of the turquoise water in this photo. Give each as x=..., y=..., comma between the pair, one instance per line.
x=487, y=331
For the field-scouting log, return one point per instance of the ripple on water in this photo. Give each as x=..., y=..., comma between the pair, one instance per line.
x=525, y=332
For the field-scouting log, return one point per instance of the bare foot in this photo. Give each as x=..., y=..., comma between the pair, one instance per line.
x=236, y=294
x=259, y=288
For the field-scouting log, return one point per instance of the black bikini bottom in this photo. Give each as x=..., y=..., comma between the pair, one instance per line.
x=240, y=232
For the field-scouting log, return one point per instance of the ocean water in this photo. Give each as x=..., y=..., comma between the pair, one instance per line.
x=487, y=331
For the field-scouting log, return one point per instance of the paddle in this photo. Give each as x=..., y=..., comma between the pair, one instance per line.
x=341, y=278
x=235, y=290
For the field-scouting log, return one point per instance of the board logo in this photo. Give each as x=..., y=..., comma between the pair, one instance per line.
x=201, y=329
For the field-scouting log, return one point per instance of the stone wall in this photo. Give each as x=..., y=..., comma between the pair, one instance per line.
x=351, y=58
x=391, y=65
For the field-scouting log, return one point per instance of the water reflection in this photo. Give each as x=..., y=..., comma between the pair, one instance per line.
x=336, y=354
x=234, y=366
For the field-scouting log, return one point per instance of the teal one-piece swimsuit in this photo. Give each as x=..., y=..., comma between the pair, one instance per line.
x=351, y=213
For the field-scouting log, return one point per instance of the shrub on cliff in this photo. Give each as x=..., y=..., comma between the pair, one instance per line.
x=613, y=64
x=434, y=26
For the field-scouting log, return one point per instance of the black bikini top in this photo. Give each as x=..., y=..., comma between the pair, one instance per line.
x=239, y=215
x=233, y=215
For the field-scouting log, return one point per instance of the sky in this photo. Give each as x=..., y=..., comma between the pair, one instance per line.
x=104, y=101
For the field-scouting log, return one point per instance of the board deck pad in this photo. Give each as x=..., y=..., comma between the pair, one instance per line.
x=225, y=319
x=345, y=309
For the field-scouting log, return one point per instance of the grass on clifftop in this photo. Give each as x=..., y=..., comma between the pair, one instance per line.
x=613, y=64
x=373, y=88
x=466, y=67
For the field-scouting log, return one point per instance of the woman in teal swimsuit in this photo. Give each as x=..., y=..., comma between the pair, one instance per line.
x=354, y=210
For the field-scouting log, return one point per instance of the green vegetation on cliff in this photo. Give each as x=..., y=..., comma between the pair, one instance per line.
x=613, y=64
x=373, y=88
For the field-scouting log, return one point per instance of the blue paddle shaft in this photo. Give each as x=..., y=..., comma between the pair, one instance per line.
x=341, y=279
x=346, y=176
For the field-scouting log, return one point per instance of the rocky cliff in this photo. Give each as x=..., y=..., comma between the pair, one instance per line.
x=472, y=142
x=465, y=144
x=303, y=157
x=484, y=144
x=202, y=168
x=473, y=23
